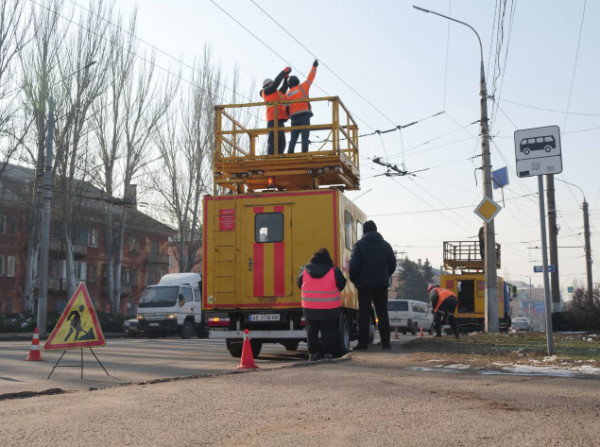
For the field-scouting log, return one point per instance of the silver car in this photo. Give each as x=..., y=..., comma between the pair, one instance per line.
x=521, y=324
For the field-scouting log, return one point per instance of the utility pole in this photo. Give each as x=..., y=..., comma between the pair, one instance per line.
x=46, y=206
x=45, y=243
x=492, y=323
x=552, y=243
x=588, y=251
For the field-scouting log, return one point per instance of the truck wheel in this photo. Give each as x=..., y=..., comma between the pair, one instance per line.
x=187, y=330
x=256, y=347
x=414, y=329
x=291, y=345
x=234, y=347
x=342, y=339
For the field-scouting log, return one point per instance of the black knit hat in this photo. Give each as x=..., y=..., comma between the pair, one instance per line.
x=369, y=227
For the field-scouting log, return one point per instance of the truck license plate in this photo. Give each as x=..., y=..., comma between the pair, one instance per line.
x=154, y=324
x=264, y=317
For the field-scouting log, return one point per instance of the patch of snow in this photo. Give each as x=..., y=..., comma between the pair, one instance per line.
x=458, y=366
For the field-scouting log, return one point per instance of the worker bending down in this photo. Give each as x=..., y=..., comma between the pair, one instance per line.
x=444, y=303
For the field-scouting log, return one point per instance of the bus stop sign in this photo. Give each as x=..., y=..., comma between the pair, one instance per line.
x=538, y=151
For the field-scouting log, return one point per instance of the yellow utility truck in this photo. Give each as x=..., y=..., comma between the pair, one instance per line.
x=465, y=277
x=268, y=215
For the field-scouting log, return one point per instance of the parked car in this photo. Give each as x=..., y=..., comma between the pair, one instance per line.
x=410, y=316
x=521, y=324
x=131, y=327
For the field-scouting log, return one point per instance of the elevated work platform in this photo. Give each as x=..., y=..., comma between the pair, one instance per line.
x=465, y=256
x=240, y=166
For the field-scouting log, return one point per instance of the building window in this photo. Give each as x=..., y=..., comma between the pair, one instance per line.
x=93, y=238
x=125, y=276
x=133, y=277
x=1, y=265
x=149, y=278
x=8, y=306
x=80, y=235
x=348, y=230
x=10, y=266
x=132, y=245
x=154, y=247
x=171, y=261
x=8, y=224
x=91, y=274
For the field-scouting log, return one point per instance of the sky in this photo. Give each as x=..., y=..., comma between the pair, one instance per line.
x=392, y=65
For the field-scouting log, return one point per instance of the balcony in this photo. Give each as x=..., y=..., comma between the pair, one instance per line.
x=57, y=248
x=157, y=258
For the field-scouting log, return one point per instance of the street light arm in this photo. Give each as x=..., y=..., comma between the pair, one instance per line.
x=457, y=21
x=573, y=184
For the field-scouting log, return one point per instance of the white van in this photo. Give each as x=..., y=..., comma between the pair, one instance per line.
x=410, y=316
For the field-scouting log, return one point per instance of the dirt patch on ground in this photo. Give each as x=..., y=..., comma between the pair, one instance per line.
x=493, y=351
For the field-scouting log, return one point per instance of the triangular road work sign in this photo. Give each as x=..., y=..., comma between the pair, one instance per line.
x=78, y=325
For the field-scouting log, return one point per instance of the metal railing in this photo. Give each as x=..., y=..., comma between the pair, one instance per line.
x=230, y=134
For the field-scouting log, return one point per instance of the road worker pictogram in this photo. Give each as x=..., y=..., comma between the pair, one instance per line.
x=78, y=325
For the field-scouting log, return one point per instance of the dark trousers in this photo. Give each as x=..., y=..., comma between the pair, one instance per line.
x=379, y=297
x=446, y=312
x=280, y=138
x=327, y=328
x=302, y=120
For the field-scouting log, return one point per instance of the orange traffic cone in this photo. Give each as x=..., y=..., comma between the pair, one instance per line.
x=421, y=335
x=396, y=335
x=247, y=357
x=34, y=352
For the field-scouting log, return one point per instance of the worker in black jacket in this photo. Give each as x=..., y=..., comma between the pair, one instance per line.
x=372, y=263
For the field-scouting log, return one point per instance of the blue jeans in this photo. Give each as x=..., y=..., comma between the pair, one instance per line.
x=302, y=120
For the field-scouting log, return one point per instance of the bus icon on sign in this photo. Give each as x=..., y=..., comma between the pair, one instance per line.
x=546, y=143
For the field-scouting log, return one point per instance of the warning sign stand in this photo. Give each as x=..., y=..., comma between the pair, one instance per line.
x=77, y=328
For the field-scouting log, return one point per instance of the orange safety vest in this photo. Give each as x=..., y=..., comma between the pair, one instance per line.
x=282, y=113
x=301, y=92
x=320, y=293
x=442, y=295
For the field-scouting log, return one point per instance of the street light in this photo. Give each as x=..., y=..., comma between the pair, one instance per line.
x=492, y=323
x=47, y=202
x=588, y=248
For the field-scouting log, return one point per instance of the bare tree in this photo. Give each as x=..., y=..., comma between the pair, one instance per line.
x=39, y=73
x=186, y=146
x=13, y=37
x=125, y=128
x=80, y=85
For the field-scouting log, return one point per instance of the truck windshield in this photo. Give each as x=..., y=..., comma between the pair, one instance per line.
x=165, y=296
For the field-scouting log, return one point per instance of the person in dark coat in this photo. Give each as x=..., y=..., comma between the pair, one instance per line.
x=321, y=283
x=372, y=263
x=270, y=93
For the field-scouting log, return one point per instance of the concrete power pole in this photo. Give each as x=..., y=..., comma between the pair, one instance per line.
x=552, y=243
x=45, y=243
x=588, y=251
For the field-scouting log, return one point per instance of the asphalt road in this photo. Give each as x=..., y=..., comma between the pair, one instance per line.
x=127, y=360
x=368, y=400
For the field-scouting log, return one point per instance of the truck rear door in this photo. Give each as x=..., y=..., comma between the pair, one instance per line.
x=268, y=255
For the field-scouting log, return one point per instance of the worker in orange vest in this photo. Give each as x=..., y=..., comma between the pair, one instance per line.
x=277, y=114
x=300, y=112
x=444, y=304
x=321, y=283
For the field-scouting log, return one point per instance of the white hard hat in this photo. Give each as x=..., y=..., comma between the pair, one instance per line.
x=267, y=81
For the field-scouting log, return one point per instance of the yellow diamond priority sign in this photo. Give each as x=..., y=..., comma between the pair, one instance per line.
x=487, y=209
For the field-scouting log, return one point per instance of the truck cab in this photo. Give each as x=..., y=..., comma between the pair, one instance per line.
x=173, y=305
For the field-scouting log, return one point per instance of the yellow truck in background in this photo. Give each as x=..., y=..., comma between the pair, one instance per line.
x=266, y=218
x=467, y=280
